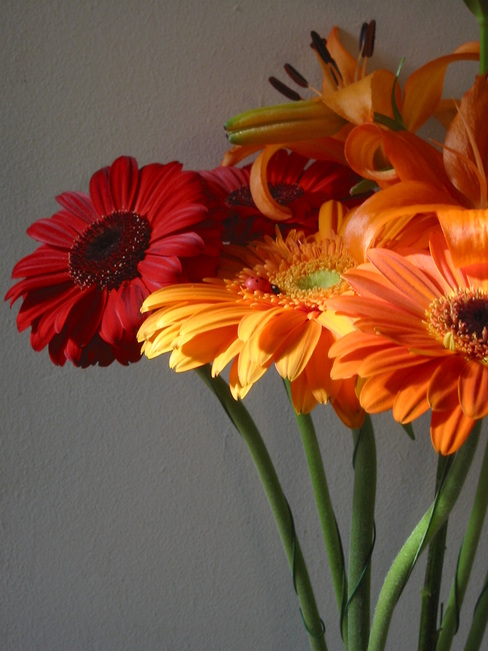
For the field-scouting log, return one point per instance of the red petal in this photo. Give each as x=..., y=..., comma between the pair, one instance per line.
x=78, y=205
x=55, y=231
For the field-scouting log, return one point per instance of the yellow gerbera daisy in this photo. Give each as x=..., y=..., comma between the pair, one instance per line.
x=272, y=308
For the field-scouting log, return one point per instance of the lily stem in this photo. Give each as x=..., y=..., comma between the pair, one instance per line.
x=362, y=534
x=433, y=574
x=483, y=25
x=243, y=422
x=328, y=522
x=418, y=540
x=466, y=559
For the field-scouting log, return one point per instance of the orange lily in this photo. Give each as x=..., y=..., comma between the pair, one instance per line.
x=448, y=188
x=318, y=127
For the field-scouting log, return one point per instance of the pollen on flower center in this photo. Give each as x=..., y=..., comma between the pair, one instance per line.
x=285, y=193
x=109, y=250
x=462, y=322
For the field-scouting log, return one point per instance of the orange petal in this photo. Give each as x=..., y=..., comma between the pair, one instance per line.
x=359, y=101
x=248, y=371
x=346, y=404
x=376, y=395
x=301, y=396
x=443, y=388
x=260, y=190
x=346, y=63
x=212, y=318
x=411, y=401
x=466, y=142
x=238, y=153
x=449, y=429
x=365, y=154
x=297, y=349
x=319, y=367
x=466, y=233
x=423, y=89
x=473, y=389
x=406, y=199
x=331, y=217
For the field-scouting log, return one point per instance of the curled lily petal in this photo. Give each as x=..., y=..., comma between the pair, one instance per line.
x=403, y=200
x=365, y=154
x=423, y=89
x=260, y=189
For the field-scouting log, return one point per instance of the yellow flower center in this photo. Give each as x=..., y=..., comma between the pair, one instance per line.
x=460, y=321
x=297, y=274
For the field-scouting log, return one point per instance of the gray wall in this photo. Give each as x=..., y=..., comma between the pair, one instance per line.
x=131, y=515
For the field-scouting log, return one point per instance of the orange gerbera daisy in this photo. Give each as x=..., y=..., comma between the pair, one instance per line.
x=272, y=310
x=421, y=339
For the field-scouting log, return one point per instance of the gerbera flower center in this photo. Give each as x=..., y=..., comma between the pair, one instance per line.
x=462, y=322
x=298, y=274
x=283, y=193
x=109, y=250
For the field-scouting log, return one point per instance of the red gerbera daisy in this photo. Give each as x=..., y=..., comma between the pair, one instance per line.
x=293, y=180
x=104, y=252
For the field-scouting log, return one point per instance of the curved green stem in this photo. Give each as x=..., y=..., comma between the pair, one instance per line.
x=418, y=540
x=466, y=559
x=325, y=509
x=362, y=533
x=480, y=619
x=243, y=422
x=433, y=573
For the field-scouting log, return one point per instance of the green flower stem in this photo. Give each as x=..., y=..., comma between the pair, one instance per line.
x=433, y=574
x=480, y=619
x=418, y=540
x=243, y=422
x=325, y=509
x=362, y=534
x=466, y=559
x=483, y=24
x=480, y=9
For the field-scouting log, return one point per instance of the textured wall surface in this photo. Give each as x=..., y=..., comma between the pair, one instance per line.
x=131, y=515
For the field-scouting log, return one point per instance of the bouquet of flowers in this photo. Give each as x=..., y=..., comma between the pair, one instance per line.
x=350, y=254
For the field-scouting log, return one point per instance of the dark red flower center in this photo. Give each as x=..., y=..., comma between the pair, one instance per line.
x=109, y=250
x=282, y=193
x=462, y=321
